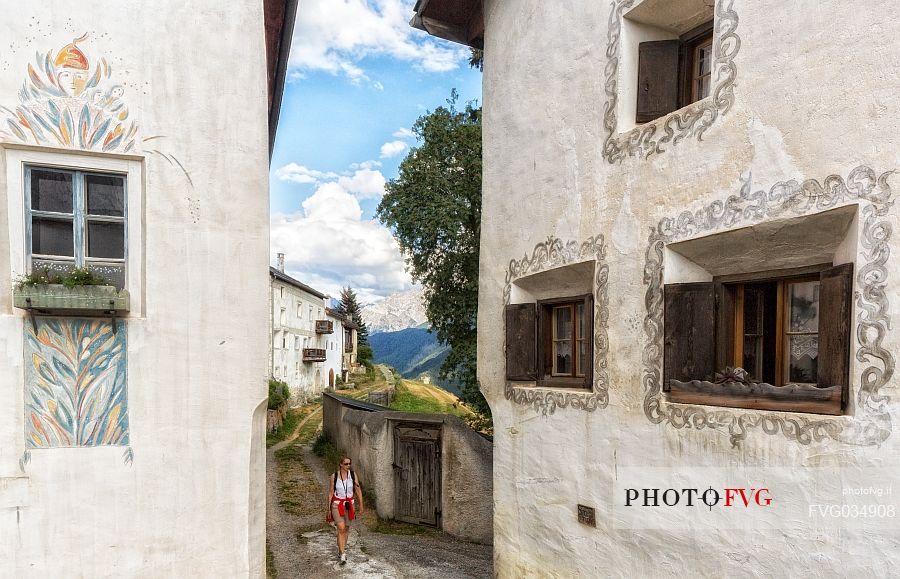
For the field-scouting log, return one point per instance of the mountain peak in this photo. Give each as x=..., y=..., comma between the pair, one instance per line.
x=396, y=312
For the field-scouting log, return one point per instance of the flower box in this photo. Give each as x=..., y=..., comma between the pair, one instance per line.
x=85, y=299
x=759, y=396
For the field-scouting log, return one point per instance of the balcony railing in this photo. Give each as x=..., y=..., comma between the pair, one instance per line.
x=313, y=354
x=324, y=327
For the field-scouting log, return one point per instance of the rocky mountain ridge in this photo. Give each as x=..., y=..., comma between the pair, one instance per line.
x=396, y=312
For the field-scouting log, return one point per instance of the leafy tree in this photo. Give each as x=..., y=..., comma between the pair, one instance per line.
x=476, y=59
x=349, y=308
x=434, y=209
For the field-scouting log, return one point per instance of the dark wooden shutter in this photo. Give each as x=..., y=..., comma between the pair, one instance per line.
x=724, y=326
x=835, y=310
x=521, y=342
x=657, y=90
x=690, y=332
x=589, y=340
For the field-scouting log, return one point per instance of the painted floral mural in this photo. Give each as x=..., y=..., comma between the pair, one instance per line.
x=69, y=101
x=75, y=383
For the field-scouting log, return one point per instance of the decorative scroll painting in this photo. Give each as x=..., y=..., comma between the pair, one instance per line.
x=75, y=383
x=691, y=122
x=550, y=254
x=871, y=423
x=68, y=100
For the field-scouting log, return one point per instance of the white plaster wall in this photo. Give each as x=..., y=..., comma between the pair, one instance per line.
x=298, y=327
x=189, y=505
x=815, y=95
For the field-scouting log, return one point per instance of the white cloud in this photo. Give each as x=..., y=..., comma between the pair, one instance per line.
x=365, y=184
x=404, y=133
x=393, y=149
x=300, y=174
x=335, y=35
x=328, y=245
x=365, y=165
x=378, y=86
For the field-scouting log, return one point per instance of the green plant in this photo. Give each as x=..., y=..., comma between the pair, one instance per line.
x=77, y=277
x=279, y=394
x=320, y=444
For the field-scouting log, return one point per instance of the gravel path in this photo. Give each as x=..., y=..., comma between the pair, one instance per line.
x=303, y=546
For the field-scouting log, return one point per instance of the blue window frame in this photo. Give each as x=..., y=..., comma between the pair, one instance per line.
x=76, y=219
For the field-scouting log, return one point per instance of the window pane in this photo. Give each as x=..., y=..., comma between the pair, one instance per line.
x=562, y=355
x=704, y=54
x=583, y=357
x=753, y=356
x=106, y=240
x=579, y=320
x=703, y=87
x=52, y=237
x=51, y=191
x=753, y=311
x=563, y=323
x=804, y=353
x=113, y=273
x=105, y=195
x=54, y=268
x=804, y=304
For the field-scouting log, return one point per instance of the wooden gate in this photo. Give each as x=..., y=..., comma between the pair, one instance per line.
x=417, y=473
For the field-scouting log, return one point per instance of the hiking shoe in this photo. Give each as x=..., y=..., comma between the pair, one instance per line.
x=343, y=558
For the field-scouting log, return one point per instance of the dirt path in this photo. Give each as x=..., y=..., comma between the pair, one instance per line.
x=302, y=544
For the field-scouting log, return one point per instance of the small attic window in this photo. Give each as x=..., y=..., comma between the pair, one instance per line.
x=667, y=58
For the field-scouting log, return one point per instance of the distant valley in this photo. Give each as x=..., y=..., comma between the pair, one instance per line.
x=399, y=336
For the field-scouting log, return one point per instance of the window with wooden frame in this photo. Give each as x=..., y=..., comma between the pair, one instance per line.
x=550, y=342
x=674, y=73
x=770, y=340
x=76, y=219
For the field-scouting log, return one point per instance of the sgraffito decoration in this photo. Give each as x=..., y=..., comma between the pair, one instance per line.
x=75, y=383
x=550, y=254
x=871, y=423
x=657, y=136
x=69, y=101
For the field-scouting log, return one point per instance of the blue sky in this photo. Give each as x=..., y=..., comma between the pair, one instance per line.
x=359, y=77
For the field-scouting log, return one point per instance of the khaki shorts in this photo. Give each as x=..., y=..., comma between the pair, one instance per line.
x=336, y=515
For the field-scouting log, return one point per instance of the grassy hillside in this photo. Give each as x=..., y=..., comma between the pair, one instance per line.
x=413, y=352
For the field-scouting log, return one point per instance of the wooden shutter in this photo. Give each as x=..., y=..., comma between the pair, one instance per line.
x=835, y=311
x=521, y=342
x=690, y=332
x=657, y=89
x=589, y=340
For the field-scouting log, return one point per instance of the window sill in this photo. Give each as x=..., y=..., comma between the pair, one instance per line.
x=83, y=300
x=634, y=127
x=805, y=398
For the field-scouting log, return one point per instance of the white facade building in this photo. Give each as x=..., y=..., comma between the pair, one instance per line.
x=134, y=141
x=673, y=188
x=308, y=338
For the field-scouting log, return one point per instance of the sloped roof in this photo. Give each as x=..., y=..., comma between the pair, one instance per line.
x=459, y=21
x=279, y=18
x=280, y=275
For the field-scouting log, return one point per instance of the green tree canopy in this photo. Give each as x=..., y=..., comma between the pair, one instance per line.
x=434, y=209
x=349, y=308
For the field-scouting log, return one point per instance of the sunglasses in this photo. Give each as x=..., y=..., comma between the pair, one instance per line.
x=345, y=464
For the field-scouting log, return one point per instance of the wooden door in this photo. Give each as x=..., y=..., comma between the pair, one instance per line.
x=417, y=474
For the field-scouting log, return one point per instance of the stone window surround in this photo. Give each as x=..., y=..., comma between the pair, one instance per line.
x=16, y=157
x=546, y=256
x=691, y=121
x=870, y=424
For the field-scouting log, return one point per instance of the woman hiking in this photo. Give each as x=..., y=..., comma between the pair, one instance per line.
x=345, y=488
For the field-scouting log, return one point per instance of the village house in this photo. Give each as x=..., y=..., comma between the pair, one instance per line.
x=688, y=284
x=134, y=143
x=312, y=345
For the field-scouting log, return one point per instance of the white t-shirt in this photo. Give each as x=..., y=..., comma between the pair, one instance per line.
x=343, y=489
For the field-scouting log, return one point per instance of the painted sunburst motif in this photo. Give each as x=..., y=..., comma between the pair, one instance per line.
x=69, y=101
x=75, y=383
